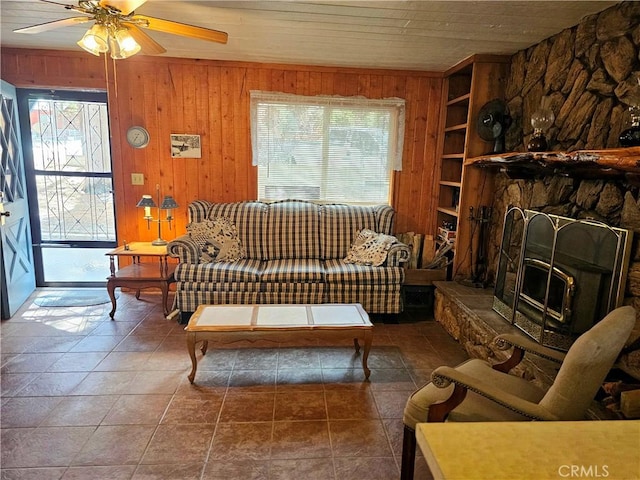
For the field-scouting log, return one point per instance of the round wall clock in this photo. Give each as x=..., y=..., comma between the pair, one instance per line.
x=138, y=137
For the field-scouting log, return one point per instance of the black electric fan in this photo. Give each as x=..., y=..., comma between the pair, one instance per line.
x=493, y=122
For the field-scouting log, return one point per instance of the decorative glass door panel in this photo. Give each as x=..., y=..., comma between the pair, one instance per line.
x=72, y=185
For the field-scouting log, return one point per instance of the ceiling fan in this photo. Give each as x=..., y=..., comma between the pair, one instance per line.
x=117, y=28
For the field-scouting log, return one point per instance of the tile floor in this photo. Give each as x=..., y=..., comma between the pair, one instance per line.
x=84, y=397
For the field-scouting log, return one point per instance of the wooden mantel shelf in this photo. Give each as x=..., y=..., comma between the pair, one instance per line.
x=580, y=163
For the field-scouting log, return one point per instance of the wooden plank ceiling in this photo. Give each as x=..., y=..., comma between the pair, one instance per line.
x=415, y=35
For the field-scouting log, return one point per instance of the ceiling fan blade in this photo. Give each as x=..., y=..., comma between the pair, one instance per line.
x=124, y=6
x=76, y=8
x=148, y=44
x=183, y=29
x=43, y=27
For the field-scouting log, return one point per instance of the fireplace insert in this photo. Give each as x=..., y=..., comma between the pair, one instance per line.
x=559, y=276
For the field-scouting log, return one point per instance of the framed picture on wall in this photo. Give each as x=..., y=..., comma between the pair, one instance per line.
x=185, y=146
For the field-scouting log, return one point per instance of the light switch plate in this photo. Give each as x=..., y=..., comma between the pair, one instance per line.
x=137, y=179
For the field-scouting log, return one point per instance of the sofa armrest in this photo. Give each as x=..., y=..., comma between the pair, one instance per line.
x=398, y=254
x=185, y=249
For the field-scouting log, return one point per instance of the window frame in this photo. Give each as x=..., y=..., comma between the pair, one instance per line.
x=393, y=135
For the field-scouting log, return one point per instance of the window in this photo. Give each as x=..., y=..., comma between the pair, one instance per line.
x=329, y=149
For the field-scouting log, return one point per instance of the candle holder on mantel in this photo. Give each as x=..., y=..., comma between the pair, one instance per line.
x=168, y=204
x=541, y=121
x=631, y=136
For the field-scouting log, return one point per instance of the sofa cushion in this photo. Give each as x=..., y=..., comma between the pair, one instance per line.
x=248, y=218
x=244, y=270
x=339, y=225
x=291, y=270
x=373, y=298
x=370, y=248
x=339, y=272
x=291, y=230
x=189, y=295
x=283, y=293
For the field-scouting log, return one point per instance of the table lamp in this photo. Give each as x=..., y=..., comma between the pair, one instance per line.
x=168, y=204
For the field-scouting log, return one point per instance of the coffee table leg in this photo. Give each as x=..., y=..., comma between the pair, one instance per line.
x=368, y=337
x=205, y=345
x=356, y=345
x=191, y=347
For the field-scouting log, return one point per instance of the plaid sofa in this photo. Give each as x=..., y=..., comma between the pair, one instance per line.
x=295, y=251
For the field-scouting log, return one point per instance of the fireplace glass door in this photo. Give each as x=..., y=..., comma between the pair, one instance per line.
x=570, y=273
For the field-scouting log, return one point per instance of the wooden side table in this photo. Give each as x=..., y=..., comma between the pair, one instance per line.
x=139, y=274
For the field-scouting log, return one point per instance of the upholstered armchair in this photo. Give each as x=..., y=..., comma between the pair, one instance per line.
x=475, y=391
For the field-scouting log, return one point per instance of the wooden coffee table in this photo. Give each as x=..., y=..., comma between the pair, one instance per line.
x=230, y=322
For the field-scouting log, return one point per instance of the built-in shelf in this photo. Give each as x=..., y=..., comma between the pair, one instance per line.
x=459, y=100
x=450, y=184
x=468, y=86
x=448, y=211
x=456, y=128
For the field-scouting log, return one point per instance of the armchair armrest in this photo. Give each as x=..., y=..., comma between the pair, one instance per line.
x=185, y=249
x=398, y=254
x=521, y=345
x=442, y=377
x=508, y=340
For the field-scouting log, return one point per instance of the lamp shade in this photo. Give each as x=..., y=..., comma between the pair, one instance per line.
x=168, y=203
x=146, y=201
x=122, y=44
x=95, y=40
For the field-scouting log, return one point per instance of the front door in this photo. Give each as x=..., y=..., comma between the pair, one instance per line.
x=16, y=255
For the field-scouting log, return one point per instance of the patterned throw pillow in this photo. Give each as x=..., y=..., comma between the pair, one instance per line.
x=370, y=248
x=218, y=240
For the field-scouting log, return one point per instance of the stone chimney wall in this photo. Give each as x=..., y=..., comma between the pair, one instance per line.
x=588, y=73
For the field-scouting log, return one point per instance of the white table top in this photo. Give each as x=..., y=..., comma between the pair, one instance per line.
x=263, y=316
x=531, y=450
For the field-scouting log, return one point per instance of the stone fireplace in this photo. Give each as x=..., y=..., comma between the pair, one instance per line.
x=556, y=276
x=588, y=73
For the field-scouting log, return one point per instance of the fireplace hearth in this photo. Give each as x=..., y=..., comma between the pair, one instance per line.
x=559, y=276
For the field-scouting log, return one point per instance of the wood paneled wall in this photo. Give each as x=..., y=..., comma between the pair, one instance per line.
x=211, y=99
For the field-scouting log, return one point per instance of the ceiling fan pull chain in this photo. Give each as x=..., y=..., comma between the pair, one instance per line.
x=115, y=75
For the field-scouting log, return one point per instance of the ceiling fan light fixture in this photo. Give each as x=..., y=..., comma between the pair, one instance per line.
x=122, y=44
x=95, y=41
